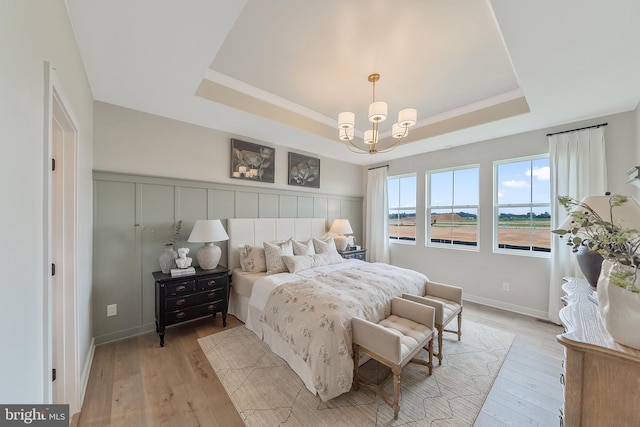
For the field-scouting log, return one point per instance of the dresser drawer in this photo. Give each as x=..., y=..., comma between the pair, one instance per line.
x=186, y=301
x=179, y=288
x=193, y=312
x=217, y=282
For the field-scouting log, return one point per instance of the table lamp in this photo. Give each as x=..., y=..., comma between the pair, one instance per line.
x=340, y=227
x=208, y=231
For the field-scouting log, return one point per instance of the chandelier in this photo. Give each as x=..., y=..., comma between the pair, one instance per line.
x=377, y=114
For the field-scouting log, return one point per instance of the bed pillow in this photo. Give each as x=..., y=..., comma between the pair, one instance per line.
x=252, y=259
x=273, y=254
x=303, y=248
x=298, y=263
x=324, y=245
x=327, y=248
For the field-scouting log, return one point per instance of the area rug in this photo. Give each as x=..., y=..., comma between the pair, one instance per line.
x=266, y=392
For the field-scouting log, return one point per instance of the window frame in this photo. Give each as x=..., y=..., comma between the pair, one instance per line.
x=496, y=207
x=399, y=208
x=428, y=208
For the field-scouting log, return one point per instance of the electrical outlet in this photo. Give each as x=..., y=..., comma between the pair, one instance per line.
x=112, y=310
x=506, y=286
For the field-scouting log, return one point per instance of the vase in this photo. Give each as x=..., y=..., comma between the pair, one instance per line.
x=590, y=263
x=619, y=308
x=168, y=259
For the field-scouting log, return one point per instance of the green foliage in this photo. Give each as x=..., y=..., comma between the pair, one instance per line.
x=171, y=237
x=604, y=235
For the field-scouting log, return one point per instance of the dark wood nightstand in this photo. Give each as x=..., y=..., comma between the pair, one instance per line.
x=354, y=254
x=179, y=299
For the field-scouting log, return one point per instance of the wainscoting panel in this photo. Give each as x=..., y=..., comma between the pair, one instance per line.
x=269, y=206
x=133, y=215
x=305, y=207
x=247, y=204
x=288, y=206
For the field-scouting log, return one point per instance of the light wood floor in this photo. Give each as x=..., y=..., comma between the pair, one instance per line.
x=135, y=382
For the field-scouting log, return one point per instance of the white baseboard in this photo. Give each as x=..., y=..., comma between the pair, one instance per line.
x=509, y=307
x=86, y=371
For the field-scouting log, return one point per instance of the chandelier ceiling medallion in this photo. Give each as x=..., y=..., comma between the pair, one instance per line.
x=377, y=114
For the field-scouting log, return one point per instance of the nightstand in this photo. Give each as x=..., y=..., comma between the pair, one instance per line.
x=179, y=299
x=360, y=254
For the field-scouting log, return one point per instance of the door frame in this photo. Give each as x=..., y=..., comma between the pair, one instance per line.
x=61, y=242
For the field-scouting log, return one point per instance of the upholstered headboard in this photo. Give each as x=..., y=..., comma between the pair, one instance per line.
x=254, y=231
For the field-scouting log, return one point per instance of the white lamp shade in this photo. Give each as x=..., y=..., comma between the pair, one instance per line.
x=341, y=226
x=346, y=134
x=346, y=120
x=399, y=132
x=208, y=230
x=626, y=215
x=370, y=136
x=377, y=111
x=407, y=117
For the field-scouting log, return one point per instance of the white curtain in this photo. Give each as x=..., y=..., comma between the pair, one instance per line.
x=377, y=216
x=578, y=169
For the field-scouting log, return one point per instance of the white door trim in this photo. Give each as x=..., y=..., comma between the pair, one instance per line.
x=61, y=245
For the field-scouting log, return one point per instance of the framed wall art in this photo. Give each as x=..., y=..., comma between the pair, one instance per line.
x=304, y=171
x=251, y=161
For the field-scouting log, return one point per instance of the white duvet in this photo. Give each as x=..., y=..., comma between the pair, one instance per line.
x=311, y=311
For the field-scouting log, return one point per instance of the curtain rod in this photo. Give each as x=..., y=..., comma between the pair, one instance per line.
x=378, y=167
x=573, y=130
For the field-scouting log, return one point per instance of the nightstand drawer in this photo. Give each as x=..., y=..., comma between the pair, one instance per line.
x=179, y=288
x=217, y=282
x=186, y=301
x=191, y=313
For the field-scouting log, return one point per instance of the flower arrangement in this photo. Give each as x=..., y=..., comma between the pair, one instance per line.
x=605, y=236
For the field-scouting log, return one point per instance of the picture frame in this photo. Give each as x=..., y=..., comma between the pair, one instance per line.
x=303, y=171
x=252, y=162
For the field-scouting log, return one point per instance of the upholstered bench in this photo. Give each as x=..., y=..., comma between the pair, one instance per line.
x=447, y=301
x=394, y=342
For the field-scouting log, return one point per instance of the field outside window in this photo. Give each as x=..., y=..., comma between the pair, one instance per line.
x=523, y=219
x=452, y=213
x=402, y=207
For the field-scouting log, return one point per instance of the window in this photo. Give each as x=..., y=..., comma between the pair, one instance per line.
x=522, y=211
x=402, y=207
x=452, y=211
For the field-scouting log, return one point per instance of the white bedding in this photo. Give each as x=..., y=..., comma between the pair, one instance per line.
x=320, y=353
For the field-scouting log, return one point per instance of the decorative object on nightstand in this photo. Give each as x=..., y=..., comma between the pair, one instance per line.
x=340, y=227
x=208, y=231
x=178, y=299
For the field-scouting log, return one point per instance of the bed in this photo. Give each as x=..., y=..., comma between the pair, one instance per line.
x=305, y=315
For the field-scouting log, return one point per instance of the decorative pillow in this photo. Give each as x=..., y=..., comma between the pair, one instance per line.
x=273, y=254
x=327, y=248
x=252, y=259
x=324, y=245
x=303, y=248
x=303, y=262
x=331, y=257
